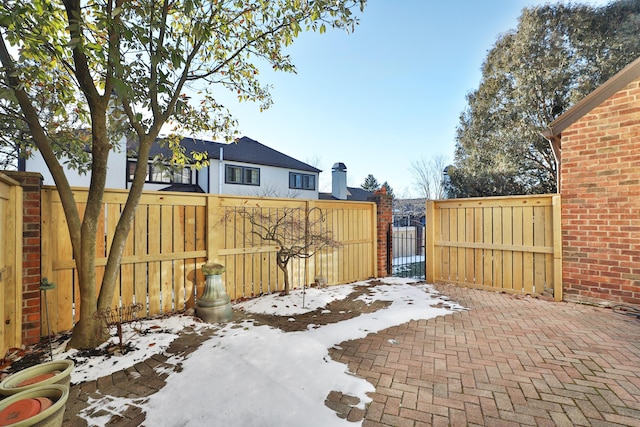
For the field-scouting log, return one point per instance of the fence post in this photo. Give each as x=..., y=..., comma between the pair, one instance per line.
x=430, y=255
x=31, y=183
x=557, y=247
x=384, y=204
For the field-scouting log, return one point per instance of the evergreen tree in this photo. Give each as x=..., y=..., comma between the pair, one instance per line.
x=388, y=188
x=370, y=183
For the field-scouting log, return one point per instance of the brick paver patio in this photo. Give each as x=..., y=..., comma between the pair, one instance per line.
x=508, y=361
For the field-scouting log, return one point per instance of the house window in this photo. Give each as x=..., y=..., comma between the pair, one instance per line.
x=302, y=181
x=242, y=175
x=165, y=174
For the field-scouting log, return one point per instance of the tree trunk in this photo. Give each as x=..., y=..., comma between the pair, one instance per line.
x=282, y=265
x=89, y=332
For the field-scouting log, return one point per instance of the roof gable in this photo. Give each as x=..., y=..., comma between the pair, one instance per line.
x=625, y=76
x=245, y=150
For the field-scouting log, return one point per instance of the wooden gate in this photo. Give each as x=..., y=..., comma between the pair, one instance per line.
x=10, y=263
x=510, y=244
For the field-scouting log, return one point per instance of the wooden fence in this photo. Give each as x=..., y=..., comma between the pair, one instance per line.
x=175, y=233
x=511, y=244
x=11, y=310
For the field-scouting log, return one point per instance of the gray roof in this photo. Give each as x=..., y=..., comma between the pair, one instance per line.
x=355, y=194
x=245, y=150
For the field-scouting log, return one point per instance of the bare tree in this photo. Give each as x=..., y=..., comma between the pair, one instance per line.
x=298, y=233
x=315, y=161
x=428, y=176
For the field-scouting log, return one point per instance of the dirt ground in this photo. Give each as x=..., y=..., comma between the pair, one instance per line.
x=345, y=309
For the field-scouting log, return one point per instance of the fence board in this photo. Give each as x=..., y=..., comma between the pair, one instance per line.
x=153, y=267
x=126, y=279
x=507, y=256
x=497, y=254
x=178, y=233
x=166, y=267
x=517, y=235
x=477, y=252
x=510, y=244
x=190, y=270
x=487, y=239
x=11, y=287
x=539, y=234
x=527, y=239
x=140, y=248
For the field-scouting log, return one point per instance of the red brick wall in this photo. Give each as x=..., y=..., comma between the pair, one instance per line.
x=601, y=202
x=31, y=183
x=384, y=204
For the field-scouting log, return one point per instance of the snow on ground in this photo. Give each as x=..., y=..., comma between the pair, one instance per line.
x=407, y=259
x=297, y=302
x=151, y=336
x=258, y=375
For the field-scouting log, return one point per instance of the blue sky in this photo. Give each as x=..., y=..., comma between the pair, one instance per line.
x=384, y=96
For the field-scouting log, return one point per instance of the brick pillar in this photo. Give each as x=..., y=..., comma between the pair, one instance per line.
x=31, y=183
x=385, y=218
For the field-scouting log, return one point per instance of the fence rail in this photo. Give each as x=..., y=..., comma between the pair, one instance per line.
x=175, y=233
x=510, y=244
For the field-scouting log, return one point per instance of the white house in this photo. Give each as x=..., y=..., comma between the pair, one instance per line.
x=245, y=167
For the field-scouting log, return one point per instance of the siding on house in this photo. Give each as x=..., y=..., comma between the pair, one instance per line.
x=600, y=172
x=274, y=169
x=116, y=173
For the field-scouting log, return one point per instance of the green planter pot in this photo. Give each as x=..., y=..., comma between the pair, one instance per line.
x=50, y=417
x=10, y=385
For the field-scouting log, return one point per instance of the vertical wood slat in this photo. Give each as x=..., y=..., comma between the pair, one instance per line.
x=477, y=253
x=112, y=214
x=487, y=239
x=539, y=234
x=512, y=244
x=153, y=267
x=11, y=228
x=46, y=253
x=517, y=235
x=126, y=279
x=166, y=267
x=557, y=248
x=527, y=239
x=190, y=270
x=461, y=253
x=469, y=227
x=433, y=257
x=64, y=278
x=140, y=249
x=444, y=233
x=497, y=254
x=548, y=241
x=453, y=253
x=179, y=277
x=507, y=256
